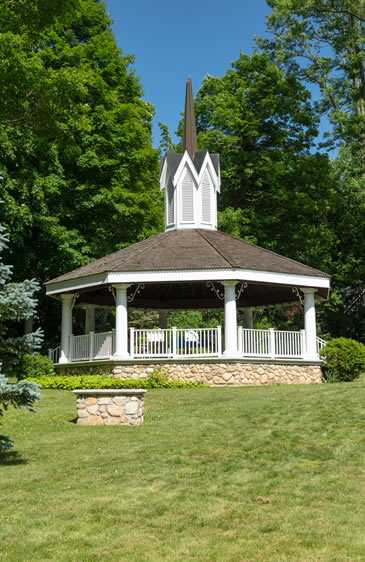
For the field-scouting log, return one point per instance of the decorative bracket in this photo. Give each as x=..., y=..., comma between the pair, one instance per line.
x=75, y=297
x=212, y=287
x=112, y=290
x=296, y=291
x=138, y=289
x=241, y=289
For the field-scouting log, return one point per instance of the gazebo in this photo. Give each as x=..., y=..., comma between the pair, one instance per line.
x=191, y=266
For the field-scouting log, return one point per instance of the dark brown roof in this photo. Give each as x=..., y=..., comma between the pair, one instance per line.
x=192, y=249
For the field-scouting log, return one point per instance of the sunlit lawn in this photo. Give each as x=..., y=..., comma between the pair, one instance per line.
x=268, y=473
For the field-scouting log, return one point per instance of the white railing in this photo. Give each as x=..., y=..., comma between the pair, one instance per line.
x=54, y=354
x=80, y=348
x=91, y=346
x=103, y=345
x=151, y=343
x=254, y=342
x=320, y=344
x=289, y=344
x=180, y=343
x=200, y=342
x=271, y=343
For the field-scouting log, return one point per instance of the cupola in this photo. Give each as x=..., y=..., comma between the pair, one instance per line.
x=191, y=179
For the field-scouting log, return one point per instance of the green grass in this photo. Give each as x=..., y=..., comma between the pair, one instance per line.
x=215, y=474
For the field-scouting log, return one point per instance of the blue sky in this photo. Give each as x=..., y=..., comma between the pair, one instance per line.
x=174, y=40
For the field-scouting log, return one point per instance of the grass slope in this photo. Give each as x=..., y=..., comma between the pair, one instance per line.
x=225, y=474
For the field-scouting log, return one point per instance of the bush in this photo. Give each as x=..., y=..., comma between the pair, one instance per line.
x=344, y=360
x=21, y=395
x=154, y=380
x=35, y=365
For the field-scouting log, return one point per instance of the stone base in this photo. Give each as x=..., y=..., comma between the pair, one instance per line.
x=110, y=407
x=233, y=373
x=215, y=372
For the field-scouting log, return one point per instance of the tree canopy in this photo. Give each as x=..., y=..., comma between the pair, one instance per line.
x=274, y=190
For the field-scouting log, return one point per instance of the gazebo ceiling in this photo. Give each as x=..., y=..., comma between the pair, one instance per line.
x=197, y=295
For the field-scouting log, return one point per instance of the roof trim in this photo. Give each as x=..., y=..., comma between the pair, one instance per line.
x=163, y=276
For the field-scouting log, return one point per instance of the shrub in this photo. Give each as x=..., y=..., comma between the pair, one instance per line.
x=154, y=380
x=35, y=365
x=344, y=359
x=21, y=395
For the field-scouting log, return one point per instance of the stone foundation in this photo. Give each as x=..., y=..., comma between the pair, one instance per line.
x=227, y=373
x=110, y=407
x=213, y=372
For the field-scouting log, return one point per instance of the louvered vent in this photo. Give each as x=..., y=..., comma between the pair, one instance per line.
x=187, y=211
x=206, y=206
x=170, y=202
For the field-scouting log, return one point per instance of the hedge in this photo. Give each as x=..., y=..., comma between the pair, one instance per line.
x=99, y=381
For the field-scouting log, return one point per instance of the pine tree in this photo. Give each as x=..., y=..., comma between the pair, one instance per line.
x=17, y=303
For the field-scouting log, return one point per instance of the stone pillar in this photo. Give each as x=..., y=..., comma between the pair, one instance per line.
x=89, y=318
x=162, y=319
x=310, y=324
x=121, y=322
x=66, y=327
x=247, y=318
x=230, y=319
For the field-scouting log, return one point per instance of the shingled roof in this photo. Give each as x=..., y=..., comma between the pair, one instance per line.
x=192, y=249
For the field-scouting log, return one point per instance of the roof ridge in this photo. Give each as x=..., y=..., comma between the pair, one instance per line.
x=272, y=252
x=200, y=231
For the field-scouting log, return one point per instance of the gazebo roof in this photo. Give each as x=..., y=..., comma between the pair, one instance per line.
x=192, y=249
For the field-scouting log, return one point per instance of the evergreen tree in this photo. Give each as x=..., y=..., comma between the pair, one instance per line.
x=17, y=303
x=20, y=395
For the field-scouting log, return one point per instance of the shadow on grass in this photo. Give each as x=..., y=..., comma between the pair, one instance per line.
x=74, y=420
x=11, y=458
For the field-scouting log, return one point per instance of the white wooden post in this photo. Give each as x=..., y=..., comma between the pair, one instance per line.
x=162, y=319
x=219, y=336
x=66, y=327
x=302, y=343
x=131, y=332
x=174, y=341
x=272, y=342
x=91, y=345
x=121, y=322
x=89, y=318
x=247, y=318
x=230, y=319
x=239, y=336
x=310, y=324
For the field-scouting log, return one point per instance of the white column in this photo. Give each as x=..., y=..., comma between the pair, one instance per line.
x=230, y=319
x=121, y=322
x=310, y=324
x=247, y=318
x=89, y=318
x=66, y=327
x=162, y=319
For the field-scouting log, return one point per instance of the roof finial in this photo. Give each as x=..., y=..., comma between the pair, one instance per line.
x=190, y=142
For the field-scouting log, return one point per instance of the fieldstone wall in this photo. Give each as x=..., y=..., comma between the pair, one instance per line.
x=227, y=373
x=110, y=407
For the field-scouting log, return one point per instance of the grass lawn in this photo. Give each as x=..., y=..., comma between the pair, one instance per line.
x=226, y=474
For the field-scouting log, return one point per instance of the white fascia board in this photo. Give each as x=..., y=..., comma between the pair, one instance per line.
x=208, y=165
x=163, y=177
x=248, y=275
x=74, y=284
x=185, y=160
